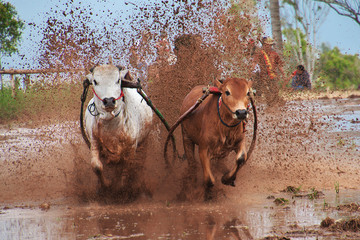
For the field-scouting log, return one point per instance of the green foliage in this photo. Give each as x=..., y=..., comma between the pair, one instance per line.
x=339, y=71
x=9, y=106
x=281, y=201
x=291, y=47
x=337, y=187
x=292, y=189
x=41, y=102
x=314, y=194
x=10, y=28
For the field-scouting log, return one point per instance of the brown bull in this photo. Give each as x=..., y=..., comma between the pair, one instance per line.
x=217, y=126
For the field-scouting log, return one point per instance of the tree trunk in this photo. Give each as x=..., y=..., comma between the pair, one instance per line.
x=1, y=80
x=276, y=24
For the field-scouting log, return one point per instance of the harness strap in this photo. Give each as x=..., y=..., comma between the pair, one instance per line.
x=121, y=95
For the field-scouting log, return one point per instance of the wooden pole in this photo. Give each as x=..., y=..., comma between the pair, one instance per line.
x=12, y=72
x=12, y=81
x=34, y=71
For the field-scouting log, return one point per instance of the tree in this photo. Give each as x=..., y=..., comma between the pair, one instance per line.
x=10, y=29
x=347, y=8
x=295, y=46
x=308, y=17
x=339, y=71
x=275, y=23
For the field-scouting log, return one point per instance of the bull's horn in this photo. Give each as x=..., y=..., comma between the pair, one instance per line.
x=129, y=84
x=219, y=82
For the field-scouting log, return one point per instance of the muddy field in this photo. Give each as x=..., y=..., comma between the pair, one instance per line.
x=48, y=190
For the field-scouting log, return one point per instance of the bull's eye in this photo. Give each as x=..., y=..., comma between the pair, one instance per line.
x=95, y=82
x=227, y=92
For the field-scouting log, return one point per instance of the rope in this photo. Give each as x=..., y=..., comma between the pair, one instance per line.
x=86, y=84
x=222, y=121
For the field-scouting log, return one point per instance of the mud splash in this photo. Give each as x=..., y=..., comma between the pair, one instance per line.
x=47, y=182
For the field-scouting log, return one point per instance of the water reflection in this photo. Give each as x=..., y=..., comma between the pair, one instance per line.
x=180, y=221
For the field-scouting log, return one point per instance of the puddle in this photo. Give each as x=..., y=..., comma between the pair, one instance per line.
x=228, y=220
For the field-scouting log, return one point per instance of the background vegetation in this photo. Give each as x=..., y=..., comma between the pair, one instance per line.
x=41, y=103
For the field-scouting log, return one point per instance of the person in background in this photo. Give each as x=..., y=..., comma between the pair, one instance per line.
x=300, y=79
x=270, y=64
x=163, y=49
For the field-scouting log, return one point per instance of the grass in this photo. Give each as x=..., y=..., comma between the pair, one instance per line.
x=292, y=189
x=45, y=103
x=9, y=106
x=281, y=201
x=314, y=194
x=337, y=187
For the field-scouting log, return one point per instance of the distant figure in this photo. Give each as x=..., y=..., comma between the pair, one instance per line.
x=139, y=55
x=271, y=70
x=300, y=79
x=163, y=49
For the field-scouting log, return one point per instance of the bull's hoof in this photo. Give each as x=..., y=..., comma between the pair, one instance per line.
x=228, y=181
x=209, y=184
x=208, y=196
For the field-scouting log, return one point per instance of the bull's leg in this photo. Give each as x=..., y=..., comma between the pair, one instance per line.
x=189, y=148
x=97, y=165
x=209, y=179
x=241, y=156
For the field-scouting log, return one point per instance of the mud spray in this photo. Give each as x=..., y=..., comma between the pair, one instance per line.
x=207, y=41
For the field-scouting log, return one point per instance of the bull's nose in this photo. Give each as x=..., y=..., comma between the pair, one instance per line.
x=109, y=102
x=241, y=114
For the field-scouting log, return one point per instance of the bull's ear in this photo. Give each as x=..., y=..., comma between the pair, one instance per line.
x=218, y=83
x=120, y=67
x=128, y=76
x=92, y=69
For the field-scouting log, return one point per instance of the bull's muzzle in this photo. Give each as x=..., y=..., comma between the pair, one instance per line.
x=109, y=103
x=241, y=114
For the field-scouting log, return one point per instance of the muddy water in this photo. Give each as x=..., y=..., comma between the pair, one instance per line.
x=255, y=219
x=48, y=191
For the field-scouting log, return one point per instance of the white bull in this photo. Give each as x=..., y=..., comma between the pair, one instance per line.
x=116, y=120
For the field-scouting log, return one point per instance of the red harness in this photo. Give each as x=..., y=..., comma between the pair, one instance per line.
x=121, y=95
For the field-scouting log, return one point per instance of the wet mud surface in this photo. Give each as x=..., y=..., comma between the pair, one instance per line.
x=48, y=189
